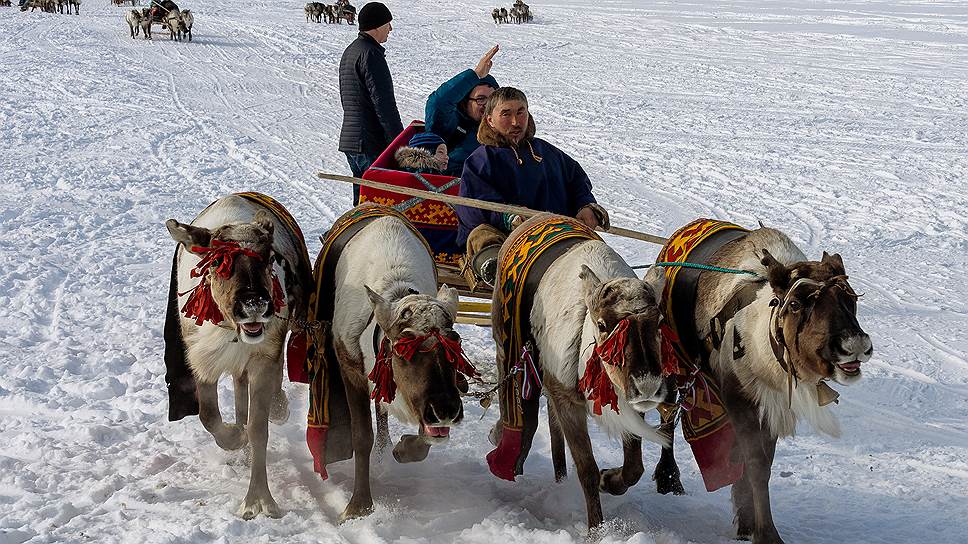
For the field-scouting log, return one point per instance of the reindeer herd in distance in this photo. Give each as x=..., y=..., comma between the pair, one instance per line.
x=48, y=6
x=333, y=13
x=519, y=13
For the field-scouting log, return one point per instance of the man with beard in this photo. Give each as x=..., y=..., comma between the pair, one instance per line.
x=513, y=167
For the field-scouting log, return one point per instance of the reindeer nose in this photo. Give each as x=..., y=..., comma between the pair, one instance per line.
x=443, y=409
x=856, y=345
x=251, y=305
x=649, y=388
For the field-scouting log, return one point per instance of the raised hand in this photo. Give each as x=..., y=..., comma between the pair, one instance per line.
x=484, y=65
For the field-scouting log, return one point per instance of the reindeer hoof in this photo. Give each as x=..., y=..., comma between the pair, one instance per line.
x=355, y=511
x=232, y=437
x=611, y=481
x=279, y=410
x=411, y=449
x=253, y=506
x=667, y=481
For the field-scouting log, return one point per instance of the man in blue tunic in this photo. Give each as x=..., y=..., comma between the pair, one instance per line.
x=455, y=109
x=514, y=167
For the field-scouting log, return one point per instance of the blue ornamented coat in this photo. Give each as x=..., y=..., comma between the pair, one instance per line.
x=499, y=171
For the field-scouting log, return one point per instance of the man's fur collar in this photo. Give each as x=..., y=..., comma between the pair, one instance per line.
x=488, y=136
x=416, y=158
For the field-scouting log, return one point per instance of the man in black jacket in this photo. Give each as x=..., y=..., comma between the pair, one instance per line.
x=370, y=117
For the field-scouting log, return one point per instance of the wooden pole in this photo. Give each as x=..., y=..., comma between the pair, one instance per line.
x=482, y=204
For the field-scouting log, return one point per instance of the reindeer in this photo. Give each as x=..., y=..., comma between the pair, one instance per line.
x=384, y=293
x=146, y=22
x=187, y=21
x=595, y=326
x=314, y=12
x=771, y=339
x=236, y=281
x=341, y=10
x=133, y=18
x=172, y=21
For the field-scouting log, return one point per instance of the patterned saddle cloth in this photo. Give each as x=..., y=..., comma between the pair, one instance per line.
x=525, y=257
x=705, y=424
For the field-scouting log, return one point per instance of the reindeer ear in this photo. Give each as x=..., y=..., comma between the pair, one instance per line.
x=589, y=283
x=776, y=273
x=835, y=261
x=381, y=309
x=448, y=296
x=188, y=235
x=263, y=220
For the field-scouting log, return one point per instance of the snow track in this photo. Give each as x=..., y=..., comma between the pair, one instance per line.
x=843, y=124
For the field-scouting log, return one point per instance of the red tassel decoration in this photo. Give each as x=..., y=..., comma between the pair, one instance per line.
x=200, y=306
x=382, y=376
x=278, y=295
x=670, y=361
x=596, y=384
x=456, y=356
x=595, y=381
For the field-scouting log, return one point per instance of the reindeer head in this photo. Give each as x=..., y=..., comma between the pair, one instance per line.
x=627, y=318
x=815, y=319
x=420, y=331
x=239, y=271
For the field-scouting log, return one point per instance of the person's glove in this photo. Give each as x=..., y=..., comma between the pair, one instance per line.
x=593, y=214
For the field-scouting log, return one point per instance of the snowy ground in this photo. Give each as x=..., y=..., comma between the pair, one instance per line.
x=843, y=123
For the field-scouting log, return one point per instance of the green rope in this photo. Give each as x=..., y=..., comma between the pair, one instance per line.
x=700, y=267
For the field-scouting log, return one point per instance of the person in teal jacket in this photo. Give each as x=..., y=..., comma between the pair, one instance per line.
x=455, y=109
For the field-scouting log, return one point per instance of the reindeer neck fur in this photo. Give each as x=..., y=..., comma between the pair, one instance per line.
x=565, y=334
x=215, y=351
x=761, y=377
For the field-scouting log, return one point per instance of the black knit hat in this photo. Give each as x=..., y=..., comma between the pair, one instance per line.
x=373, y=15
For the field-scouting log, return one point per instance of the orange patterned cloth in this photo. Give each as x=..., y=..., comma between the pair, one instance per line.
x=528, y=252
x=705, y=424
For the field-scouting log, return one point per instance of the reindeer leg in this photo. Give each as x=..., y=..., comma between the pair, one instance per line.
x=382, y=427
x=266, y=379
x=573, y=418
x=616, y=481
x=358, y=398
x=228, y=437
x=666, y=475
x=241, y=386
x=743, y=515
x=751, y=495
x=557, y=444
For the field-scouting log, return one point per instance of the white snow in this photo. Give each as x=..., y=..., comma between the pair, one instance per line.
x=845, y=124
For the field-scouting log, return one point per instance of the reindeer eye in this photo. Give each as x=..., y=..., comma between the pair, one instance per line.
x=795, y=305
x=601, y=326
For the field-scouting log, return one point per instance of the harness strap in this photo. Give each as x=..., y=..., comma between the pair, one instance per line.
x=740, y=299
x=687, y=284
